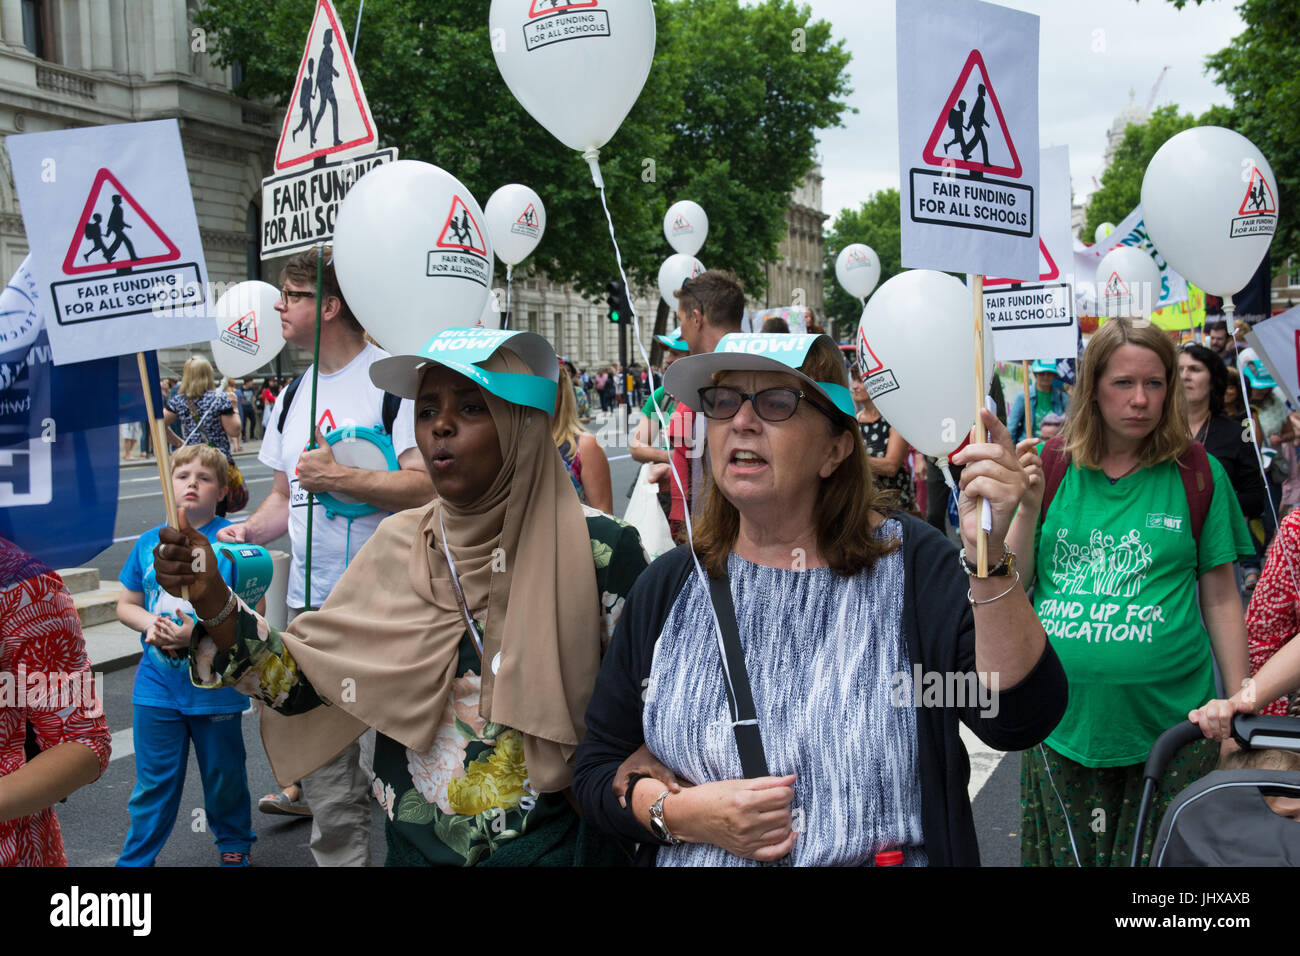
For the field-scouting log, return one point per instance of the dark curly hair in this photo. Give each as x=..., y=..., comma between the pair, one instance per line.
x=1218, y=374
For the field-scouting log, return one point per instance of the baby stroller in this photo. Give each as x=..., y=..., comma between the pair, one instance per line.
x=1222, y=819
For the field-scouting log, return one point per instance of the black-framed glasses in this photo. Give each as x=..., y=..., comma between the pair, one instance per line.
x=290, y=295
x=777, y=404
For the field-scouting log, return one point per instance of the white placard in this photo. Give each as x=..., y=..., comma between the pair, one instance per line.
x=299, y=208
x=111, y=227
x=1035, y=320
x=968, y=137
x=1277, y=342
x=1131, y=232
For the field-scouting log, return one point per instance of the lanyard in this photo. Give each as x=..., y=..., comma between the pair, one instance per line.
x=460, y=594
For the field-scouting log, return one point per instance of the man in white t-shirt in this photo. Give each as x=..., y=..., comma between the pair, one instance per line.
x=338, y=793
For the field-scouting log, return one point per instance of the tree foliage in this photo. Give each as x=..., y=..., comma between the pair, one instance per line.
x=1258, y=69
x=728, y=117
x=1121, y=184
x=876, y=224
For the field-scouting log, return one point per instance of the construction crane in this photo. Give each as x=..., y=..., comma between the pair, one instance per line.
x=1151, y=100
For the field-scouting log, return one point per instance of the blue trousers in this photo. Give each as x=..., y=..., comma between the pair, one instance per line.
x=162, y=746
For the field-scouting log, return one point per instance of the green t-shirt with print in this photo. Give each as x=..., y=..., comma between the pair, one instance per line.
x=1116, y=567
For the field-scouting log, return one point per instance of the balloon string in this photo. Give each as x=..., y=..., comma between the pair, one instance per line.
x=590, y=156
x=1229, y=307
x=510, y=275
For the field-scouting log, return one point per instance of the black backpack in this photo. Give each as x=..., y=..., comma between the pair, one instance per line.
x=392, y=404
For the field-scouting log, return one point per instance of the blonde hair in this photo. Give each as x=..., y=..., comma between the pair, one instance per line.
x=1085, y=429
x=565, y=425
x=1268, y=759
x=197, y=379
x=845, y=500
x=206, y=456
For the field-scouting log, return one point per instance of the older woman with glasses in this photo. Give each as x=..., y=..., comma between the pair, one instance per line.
x=854, y=642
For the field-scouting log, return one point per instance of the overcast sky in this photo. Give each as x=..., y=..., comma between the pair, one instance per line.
x=1080, y=89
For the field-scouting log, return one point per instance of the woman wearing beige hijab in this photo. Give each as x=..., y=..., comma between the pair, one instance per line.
x=468, y=632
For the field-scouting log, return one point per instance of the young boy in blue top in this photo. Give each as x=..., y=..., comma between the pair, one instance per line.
x=168, y=710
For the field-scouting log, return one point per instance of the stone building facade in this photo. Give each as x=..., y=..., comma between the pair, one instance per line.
x=74, y=63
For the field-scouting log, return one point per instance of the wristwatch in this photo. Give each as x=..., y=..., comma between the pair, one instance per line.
x=1004, y=568
x=657, y=825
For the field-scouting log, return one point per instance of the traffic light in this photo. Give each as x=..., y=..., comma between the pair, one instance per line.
x=616, y=297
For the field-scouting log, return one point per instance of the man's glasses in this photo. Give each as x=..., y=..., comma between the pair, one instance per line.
x=722, y=403
x=289, y=295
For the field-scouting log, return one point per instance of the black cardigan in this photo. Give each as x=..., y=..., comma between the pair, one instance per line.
x=1223, y=441
x=940, y=629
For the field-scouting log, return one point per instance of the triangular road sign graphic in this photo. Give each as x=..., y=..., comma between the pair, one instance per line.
x=541, y=8
x=326, y=419
x=117, y=222
x=1115, y=286
x=680, y=223
x=245, y=327
x=461, y=231
x=528, y=217
x=1047, y=269
x=867, y=367
x=975, y=107
x=328, y=114
x=1259, y=199
x=856, y=260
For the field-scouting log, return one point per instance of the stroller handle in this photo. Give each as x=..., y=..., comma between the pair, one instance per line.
x=1249, y=730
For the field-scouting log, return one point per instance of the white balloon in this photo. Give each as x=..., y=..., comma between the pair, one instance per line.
x=1102, y=231
x=686, y=226
x=916, y=351
x=857, y=268
x=1128, y=284
x=1210, y=203
x=411, y=254
x=516, y=220
x=577, y=71
x=249, y=331
x=676, y=270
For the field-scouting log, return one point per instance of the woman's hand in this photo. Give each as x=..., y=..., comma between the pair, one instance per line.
x=1215, y=717
x=184, y=558
x=1032, y=465
x=749, y=818
x=992, y=471
x=642, y=761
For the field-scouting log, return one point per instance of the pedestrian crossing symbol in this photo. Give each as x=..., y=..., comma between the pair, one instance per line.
x=528, y=223
x=1258, y=213
x=963, y=121
x=1047, y=269
x=1115, y=286
x=461, y=231
x=242, y=333
x=114, y=232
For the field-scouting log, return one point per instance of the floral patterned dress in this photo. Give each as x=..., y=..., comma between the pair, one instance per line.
x=467, y=800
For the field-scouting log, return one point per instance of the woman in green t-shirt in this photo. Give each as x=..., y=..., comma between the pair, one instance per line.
x=1118, y=570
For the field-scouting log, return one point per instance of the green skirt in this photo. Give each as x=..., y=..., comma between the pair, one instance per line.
x=1101, y=805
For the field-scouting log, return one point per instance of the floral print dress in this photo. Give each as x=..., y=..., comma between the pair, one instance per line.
x=467, y=799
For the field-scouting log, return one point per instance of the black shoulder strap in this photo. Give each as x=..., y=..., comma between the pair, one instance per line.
x=744, y=721
x=285, y=398
x=392, y=405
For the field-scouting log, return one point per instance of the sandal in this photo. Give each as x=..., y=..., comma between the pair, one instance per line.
x=279, y=804
x=1249, y=581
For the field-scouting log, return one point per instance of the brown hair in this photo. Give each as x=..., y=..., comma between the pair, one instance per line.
x=844, y=502
x=301, y=269
x=206, y=456
x=1085, y=430
x=720, y=296
x=1268, y=759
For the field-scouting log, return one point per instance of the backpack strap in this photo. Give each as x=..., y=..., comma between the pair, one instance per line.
x=285, y=398
x=392, y=405
x=1056, y=462
x=1198, y=484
